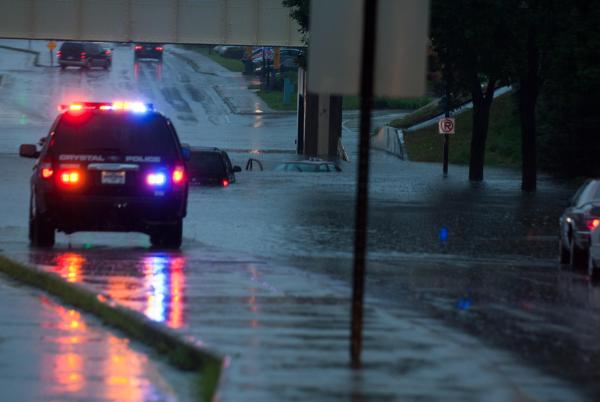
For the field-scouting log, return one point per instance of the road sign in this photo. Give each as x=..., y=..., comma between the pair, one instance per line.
x=446, y=125
x=336, y=36
x=51, y=45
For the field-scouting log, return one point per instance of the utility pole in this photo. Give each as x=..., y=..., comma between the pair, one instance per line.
x=362, y=201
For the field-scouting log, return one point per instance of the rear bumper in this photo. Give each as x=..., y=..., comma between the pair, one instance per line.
x=142, y=54
x=89, y=213
x=76, y=63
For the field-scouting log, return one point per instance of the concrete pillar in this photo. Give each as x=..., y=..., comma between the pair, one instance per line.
x=319, y=122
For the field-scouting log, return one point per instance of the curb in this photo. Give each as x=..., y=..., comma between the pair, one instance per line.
x=182, y=353
x=234, y=109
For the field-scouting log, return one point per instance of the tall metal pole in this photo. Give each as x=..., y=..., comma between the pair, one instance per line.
x=360, y=235
x=446, y=136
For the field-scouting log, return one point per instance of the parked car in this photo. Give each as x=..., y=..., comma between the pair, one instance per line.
x=310, y=165
x=230, y=52
x=593, y=263
x=84, y=55
x=576, y=223
x=148, y=51
x=211, y=167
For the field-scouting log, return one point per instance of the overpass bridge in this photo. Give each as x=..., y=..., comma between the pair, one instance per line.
x=229, y=22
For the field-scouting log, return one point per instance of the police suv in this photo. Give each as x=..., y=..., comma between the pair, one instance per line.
x=108, y=167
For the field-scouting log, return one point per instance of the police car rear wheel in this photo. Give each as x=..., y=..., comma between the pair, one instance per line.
x=168, y=236
x=41, y=232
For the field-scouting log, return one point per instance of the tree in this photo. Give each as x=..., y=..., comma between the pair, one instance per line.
x=534, y=28
x=568, y=140
x=469, y=38
x=299, y=10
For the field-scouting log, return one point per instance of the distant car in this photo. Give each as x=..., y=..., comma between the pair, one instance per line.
x=309, y=165
x=576, y=223
x=211, y=167
x=231, y=52
x=148, y=51
x=84, y=55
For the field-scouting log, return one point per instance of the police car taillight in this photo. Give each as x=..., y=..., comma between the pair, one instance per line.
x=178, y=175
x=70, y=177
x=46, y=170
x=156, y=179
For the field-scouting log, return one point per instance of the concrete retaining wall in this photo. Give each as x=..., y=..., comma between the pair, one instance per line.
x=390, y=140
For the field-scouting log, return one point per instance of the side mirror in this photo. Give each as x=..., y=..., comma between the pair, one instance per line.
x=186, y=152
x=237, y=169
x=28, y=151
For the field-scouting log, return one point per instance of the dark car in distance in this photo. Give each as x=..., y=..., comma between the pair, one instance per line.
x=84, y=55
x=148, y=51
x=108, y=167
x=211, y=167
x=576, y=223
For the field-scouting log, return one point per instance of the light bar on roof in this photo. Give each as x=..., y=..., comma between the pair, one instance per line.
x=136, y=107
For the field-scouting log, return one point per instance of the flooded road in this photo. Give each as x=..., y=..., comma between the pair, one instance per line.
x=266, y=262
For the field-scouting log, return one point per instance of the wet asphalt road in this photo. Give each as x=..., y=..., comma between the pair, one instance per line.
x=480, y=257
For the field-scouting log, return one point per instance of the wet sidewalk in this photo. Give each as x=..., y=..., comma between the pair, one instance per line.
x=52, y=352
x=286, y=331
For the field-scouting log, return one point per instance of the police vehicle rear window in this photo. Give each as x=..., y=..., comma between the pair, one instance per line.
x=71, y=47
x=114, y=133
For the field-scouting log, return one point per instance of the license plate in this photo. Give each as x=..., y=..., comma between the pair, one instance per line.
x=113, y=177
x=70, y=57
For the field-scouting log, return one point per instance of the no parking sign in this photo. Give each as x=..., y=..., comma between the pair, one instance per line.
x=446, y=125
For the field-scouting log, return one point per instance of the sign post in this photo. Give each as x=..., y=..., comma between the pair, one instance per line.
x=51, y=46
x=446, y=127
x=391, y=62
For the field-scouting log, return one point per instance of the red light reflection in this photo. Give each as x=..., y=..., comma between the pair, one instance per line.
x=69, y=266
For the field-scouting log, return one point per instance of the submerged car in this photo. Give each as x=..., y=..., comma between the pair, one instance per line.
x=576, y=223
x=309, y=165
x=211, y=167
x=108, y=167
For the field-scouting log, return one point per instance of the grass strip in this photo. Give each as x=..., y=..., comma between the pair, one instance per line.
x=178, y=351
x=235, y=65
x=503, y=145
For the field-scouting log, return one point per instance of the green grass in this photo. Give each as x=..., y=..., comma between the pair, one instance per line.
x=230, y=64
x=274, y=99
x=423, y=113
x=503, y=146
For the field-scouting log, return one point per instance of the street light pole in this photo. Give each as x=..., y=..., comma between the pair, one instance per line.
x=360, y=235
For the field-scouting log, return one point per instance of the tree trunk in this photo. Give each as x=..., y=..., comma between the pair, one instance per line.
x=527, y=107
x=529, y=83
x=481, y=120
